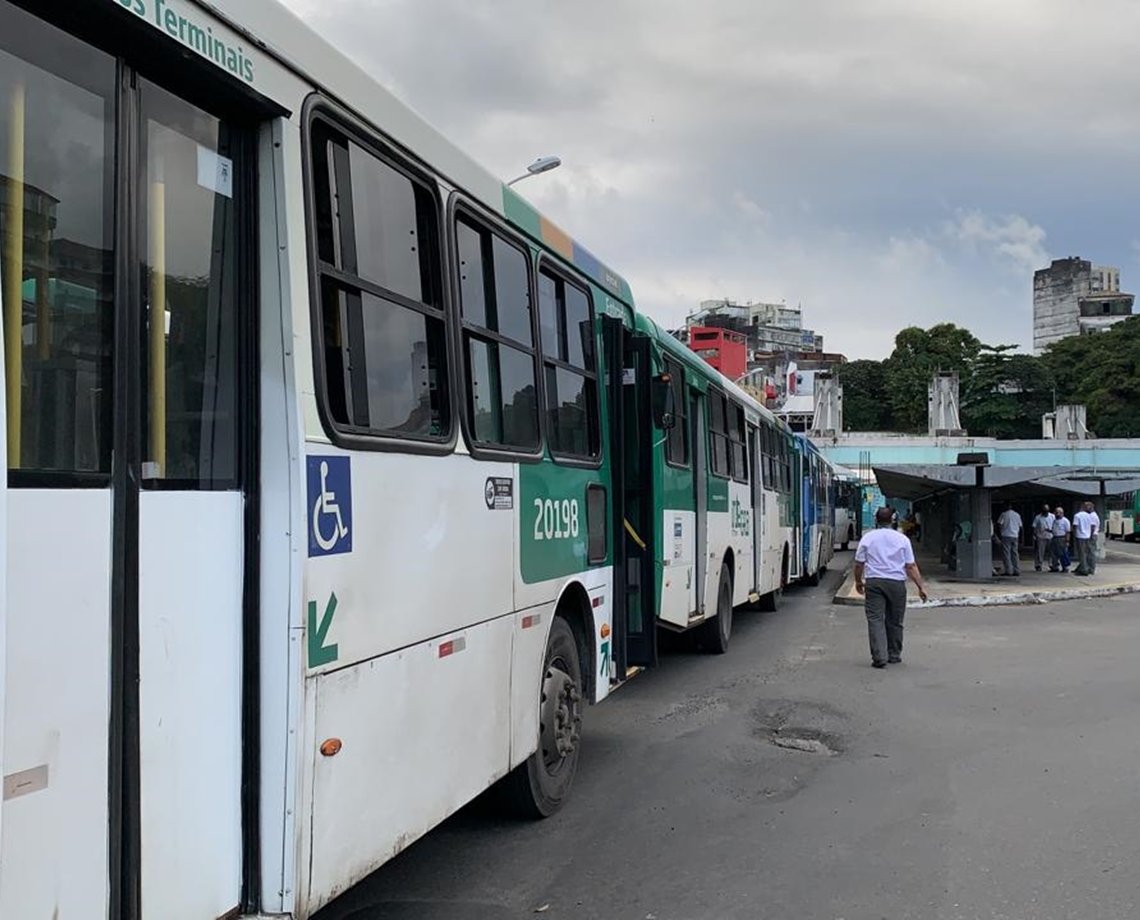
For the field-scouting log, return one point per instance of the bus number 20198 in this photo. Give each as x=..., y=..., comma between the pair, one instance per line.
x=556, y=520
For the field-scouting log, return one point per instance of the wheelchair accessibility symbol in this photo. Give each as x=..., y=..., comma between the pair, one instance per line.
x=330, y=505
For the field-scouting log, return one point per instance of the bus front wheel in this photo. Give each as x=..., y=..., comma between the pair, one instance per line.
x=540, y=786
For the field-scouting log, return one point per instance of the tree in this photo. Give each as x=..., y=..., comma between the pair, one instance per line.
x=918, y=355
x=1006, y=394
x=1102, y=372
x=865, y=407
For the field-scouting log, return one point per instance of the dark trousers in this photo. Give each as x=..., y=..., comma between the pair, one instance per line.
x=885, y=606
x=1086, y=556
x=1060, y=554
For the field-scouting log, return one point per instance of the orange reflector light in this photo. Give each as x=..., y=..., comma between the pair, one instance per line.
x=605, y=630
x=331, y=747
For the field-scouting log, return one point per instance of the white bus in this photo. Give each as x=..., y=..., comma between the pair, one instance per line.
x=329, y=500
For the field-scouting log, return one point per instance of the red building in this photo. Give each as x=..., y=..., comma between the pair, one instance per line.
x=725, y=350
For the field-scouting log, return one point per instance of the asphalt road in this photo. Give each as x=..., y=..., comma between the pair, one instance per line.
x=993, y=774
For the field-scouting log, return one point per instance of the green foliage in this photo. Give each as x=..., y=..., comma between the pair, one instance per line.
x=865, y=407
x=1006, y=394
x=918, y=355
x=1102, y=372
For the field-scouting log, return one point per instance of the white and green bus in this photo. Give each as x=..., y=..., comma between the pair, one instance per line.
x=339, y=478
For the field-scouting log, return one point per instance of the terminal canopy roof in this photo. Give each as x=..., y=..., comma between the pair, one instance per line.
x=916, y=481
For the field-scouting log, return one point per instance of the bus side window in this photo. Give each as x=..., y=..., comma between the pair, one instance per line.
x=677, y=438
x=382, y=328
x=501, y=373
x=736, y=439
x=718, y=430
x=570, y=371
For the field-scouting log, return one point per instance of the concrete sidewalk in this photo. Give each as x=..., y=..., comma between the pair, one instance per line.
x=1119, y=573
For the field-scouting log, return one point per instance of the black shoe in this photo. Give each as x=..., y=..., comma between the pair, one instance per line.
x=878, y=664
x=894, y=661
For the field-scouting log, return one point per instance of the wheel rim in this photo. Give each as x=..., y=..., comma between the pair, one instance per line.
x=561, y=716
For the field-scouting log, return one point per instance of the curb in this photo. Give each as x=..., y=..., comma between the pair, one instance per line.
x=1006, y=600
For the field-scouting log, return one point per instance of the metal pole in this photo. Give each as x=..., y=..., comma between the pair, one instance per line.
x=14, y=275
x=157, y=318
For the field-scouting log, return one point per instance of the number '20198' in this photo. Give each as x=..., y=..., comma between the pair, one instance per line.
x=556, y=520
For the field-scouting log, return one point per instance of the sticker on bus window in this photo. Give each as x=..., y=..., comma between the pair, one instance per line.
x=215, y=172
x=330, y=505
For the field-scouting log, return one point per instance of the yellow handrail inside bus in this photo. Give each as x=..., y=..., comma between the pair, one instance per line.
x=633, y=533
x=14, y=276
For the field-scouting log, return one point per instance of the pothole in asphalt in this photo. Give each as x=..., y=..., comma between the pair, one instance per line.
x=807, y=740
x=801, y=725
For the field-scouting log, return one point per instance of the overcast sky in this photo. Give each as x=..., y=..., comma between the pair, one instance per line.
x=881, y=162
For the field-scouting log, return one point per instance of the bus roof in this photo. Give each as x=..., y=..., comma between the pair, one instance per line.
x=276, y=31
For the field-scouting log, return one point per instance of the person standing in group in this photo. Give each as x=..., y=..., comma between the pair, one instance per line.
x=1086, y=525
x=1061, y=529
x=1009, y=528
x=1042, y=537
x=884, y=560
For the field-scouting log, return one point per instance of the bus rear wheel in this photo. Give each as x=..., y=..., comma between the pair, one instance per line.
x=540, y=786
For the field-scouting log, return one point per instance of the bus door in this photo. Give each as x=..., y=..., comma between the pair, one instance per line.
x=631, y=450
x=800, y=487
x=759, y=519
x=700, y=442
x=130, y=371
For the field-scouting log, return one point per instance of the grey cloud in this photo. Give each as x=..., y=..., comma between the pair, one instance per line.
x=693, y=135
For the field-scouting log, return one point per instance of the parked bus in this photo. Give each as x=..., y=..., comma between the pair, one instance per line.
x=1124, y=516
x=817, y=541
x=847, y=504
x=340, y=480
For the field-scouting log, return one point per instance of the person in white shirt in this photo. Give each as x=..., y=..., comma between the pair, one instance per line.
x=884, y=560
x=1061, y=530
x=1086, y=525
x=1009, y=529
x=1042, y=537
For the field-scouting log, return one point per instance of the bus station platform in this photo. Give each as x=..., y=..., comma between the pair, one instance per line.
x=1117, y=573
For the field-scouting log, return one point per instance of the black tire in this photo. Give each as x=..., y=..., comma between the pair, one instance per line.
x=770, y=602
x=716, y=632
x=540, y=786
x=814, y=578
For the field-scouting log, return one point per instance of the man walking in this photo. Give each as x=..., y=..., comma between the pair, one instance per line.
x=886, y=559
x=1086, y=525
x=1042, y=537
x=1009, y=528
x=1061, y=529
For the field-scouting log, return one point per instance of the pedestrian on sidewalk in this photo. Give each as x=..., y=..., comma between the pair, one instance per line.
x=886, y=558
x=1042, y=537
x=1086, y=525
x=1009, y=527
x=1061, y=529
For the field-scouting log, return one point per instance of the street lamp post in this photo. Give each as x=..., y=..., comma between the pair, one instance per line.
x=541, y=165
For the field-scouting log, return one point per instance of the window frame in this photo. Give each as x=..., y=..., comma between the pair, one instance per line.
x=319, y=110
x=676, y=370
x=545, y=263
x=462, y=206
x=740, y=427
x=717, y=393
